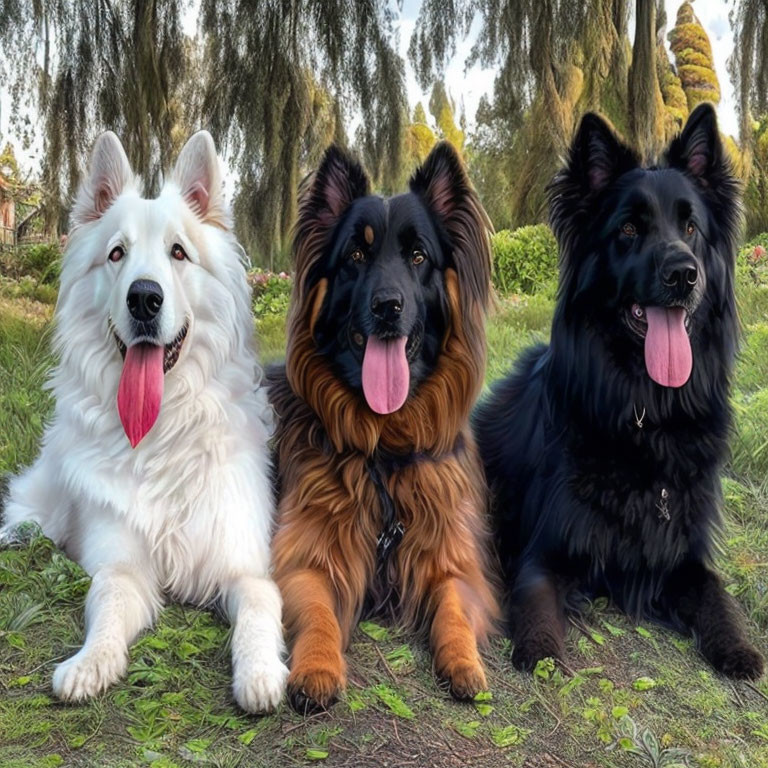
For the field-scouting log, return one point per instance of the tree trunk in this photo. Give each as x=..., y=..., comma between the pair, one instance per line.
x=646, y=105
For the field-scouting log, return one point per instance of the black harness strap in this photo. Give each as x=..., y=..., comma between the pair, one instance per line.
x=381, y=466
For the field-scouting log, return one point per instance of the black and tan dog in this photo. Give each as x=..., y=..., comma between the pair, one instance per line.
x=382, y=494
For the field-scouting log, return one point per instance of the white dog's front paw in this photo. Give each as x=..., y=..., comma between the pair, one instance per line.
x=89, y=672
x=259, y=687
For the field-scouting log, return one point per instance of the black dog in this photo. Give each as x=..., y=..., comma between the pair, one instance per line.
x=604, y=449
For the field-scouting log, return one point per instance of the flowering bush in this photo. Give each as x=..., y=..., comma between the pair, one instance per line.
x=271, y=292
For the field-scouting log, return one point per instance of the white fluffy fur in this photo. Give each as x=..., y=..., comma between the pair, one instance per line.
x=187, y=514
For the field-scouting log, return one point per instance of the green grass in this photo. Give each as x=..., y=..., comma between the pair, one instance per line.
x=639, y=696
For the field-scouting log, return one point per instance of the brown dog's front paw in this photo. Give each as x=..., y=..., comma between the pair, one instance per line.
x=742, y=662
x=465, y=679
x=312, y=691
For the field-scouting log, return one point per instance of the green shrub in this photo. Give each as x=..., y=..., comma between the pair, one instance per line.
x=28, y=288
x=271, y=292
x=525, y=260
x=41, y=262
x=752, y=280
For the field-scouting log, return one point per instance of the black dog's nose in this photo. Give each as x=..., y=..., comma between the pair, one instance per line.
x=387, y=305
x=145, y=297
x=680, y=273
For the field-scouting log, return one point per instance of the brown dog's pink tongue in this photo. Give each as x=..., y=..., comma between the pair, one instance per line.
x=386, y=376
x=668, y=356
x=140, y=390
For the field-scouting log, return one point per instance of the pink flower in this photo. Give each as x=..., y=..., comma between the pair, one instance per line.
x=758, y=253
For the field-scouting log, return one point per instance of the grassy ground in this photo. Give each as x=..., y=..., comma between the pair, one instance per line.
x=638, y=696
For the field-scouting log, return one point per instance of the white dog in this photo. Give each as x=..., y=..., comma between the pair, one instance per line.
x=154, y=472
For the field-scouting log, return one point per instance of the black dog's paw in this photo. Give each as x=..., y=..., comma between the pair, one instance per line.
x=741, y=662
x=529, y=652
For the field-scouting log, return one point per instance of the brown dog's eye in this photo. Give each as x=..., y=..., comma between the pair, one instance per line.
x=418, y=257
x=629, y=229
x=358, y=255
x=116, y=253
x=691, y=228
x=178, y=252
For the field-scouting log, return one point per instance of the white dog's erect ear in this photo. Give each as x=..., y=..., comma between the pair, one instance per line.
x=109, y=172
x=198, y=174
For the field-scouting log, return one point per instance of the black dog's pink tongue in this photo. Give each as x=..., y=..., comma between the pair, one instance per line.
x=141, y=390
x=668, y=356
x=386, y=376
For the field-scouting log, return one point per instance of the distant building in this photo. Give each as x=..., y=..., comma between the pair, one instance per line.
x=7, y=212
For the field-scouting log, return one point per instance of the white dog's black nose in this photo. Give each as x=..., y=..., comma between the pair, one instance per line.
x=145, y=297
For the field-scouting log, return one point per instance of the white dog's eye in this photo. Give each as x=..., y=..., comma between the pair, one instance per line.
x=116, y=253
x=178, y=252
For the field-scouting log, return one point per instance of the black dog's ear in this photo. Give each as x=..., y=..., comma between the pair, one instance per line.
x=698, y=149
x=699, y=152
x=597, y=157
x=339, y=180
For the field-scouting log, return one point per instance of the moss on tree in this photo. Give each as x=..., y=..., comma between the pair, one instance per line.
x=693, y=55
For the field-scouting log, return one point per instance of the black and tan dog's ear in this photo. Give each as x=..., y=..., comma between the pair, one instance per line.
x=698, y=149
x=441, y=181
x=444, y=186
x=338, y=181
x=597, y=157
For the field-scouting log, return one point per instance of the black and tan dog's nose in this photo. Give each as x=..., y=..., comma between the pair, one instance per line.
x=387, y=305
x=145, y=297
x=680, y=274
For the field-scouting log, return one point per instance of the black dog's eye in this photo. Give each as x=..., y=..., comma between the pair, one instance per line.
x=116, y=253
x=690, y=228
x=178, y=252
x=628, y=229
x=358, y=256
x=418, y=257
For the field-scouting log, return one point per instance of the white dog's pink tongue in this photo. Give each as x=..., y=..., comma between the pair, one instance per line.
x=668, y=356
x=386, y=376
x=141, y=390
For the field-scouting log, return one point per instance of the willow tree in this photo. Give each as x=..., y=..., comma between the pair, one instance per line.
x=556, y=58
x=87, y=64
x=418, y=140
x=274, y=82
x=268, y=63
x=749, y=64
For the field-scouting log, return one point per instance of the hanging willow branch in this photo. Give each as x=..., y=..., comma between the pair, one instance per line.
x=97, y=63
x=274, y=81
x=748, y=66
x=287, y=77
